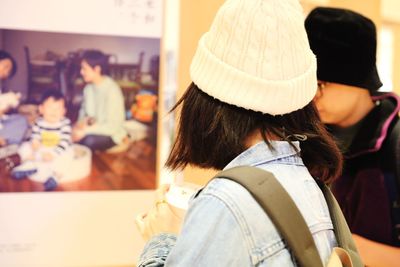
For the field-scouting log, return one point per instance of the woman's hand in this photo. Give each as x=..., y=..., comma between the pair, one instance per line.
x=160, y=219
x=78, y=132
x=82, y=124
x=76, y=135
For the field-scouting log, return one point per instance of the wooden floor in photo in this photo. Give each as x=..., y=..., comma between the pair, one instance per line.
x=133, y=169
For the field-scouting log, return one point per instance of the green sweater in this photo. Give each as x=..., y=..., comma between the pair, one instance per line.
x=104, y=103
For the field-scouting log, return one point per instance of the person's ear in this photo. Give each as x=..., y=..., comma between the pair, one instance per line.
x=97, y=69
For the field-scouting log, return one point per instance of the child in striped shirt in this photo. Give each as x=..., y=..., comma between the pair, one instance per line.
x=50, y=141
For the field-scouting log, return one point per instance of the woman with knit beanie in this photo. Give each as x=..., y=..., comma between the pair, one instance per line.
x=250, y=103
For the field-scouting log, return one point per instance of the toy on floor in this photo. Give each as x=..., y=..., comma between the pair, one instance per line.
x=8, y=100
x=144, y=107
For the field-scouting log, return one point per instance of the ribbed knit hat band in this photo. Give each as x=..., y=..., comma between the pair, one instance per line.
x=256, y=56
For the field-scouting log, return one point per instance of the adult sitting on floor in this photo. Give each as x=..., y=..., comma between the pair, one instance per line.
x=12, y=126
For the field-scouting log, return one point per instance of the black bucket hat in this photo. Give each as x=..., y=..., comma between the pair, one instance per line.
x=345, y=45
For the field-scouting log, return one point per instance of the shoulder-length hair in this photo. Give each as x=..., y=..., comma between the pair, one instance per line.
x=212, y=133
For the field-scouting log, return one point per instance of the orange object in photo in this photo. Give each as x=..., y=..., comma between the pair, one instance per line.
x=144, y=107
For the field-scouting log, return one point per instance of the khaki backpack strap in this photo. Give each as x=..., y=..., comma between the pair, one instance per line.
x=281, y=209
x=342, y=231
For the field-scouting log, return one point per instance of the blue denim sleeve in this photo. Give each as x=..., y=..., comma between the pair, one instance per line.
x=211, y=236
x=156, y=250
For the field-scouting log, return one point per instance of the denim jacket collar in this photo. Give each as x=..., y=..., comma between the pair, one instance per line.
x=260, y=153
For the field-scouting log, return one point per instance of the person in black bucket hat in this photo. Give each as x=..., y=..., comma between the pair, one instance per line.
x=365, y=124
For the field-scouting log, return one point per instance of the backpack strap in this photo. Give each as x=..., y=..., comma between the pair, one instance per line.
x=283, y=212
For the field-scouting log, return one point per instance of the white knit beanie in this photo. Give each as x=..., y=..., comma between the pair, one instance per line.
x=256, y=56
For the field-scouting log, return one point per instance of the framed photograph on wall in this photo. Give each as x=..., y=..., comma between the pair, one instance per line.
x=63, y=200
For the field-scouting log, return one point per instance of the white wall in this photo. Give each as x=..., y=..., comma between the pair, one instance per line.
x=75, y=229
x=114, y=17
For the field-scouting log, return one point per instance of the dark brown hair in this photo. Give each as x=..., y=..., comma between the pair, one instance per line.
x=5, y=55
x=52, y=93
x=96, y=58
x=212, y=133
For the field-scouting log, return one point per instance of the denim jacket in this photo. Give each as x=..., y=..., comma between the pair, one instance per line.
x=225, y=226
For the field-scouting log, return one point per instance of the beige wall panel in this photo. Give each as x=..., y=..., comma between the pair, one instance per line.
x=196, y=17
x=396, y=59
x=369, y=8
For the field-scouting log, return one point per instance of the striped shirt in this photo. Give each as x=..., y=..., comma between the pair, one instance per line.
x=56, y=135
